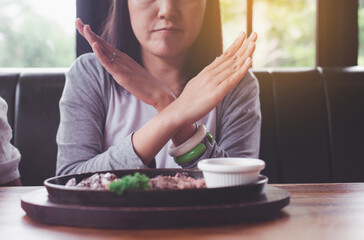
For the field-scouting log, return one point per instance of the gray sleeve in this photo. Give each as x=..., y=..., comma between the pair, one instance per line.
x=238, y=123
x=83, y=108
x=9, y=155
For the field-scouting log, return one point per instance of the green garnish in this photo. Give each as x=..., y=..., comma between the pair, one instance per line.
x=138, y=181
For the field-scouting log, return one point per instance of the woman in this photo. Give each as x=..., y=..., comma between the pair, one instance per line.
x=117, y=114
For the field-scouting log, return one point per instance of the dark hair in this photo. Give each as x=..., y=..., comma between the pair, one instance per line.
x=205, y=49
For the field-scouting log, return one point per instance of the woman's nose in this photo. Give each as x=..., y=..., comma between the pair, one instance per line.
x=168, y=9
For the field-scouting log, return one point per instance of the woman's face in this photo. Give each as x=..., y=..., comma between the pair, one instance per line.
x=166, y=28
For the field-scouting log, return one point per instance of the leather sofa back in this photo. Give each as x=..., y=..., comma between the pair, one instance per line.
x=301, y=126
x=345, y=97
x=312, y=122
x=33, y=114
x=36, y=124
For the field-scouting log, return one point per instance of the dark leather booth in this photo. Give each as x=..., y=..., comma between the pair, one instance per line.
x=312, y=122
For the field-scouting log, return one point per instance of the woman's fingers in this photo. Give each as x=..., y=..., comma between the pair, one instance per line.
x=231, y=81
x=112, y=54
x=252, y=39
x=238, y=75
x=91, y=37
x=234, y=63
x=86, y=32
x=229, y=52
x=108, y=55
x=235, y=66
x=110, y=51
x=79, y=25
x=234, y=54
x=104, y=59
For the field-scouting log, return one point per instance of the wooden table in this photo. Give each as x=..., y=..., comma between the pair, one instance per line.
x=316, y=211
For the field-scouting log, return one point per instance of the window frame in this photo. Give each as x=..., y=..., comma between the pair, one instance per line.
x=337, y=45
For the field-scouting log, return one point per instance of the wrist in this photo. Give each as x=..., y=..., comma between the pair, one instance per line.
x=184, y=133
x=158, y=130
x=189, y=144
x=184, y=128
x=163, y=100
x=192, y=149
x=174, y=115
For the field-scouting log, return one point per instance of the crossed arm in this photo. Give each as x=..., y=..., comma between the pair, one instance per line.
x=177, y=115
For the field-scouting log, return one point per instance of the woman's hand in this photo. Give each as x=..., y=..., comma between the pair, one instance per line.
x=211, y=85
x=126, y=72
x=199, y=97
x=133, y=77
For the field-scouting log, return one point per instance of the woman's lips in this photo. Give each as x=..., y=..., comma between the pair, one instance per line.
x=168, y=30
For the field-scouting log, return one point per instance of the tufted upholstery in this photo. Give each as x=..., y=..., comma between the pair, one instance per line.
x=312, y=122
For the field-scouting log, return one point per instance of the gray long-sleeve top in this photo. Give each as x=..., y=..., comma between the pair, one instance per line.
x=84, y=107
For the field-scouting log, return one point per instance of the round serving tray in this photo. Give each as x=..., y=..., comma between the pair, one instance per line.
x=263, y=207
x=59, y=193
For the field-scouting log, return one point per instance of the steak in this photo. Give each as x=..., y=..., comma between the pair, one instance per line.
x=102, y=181
x=96, y=181
x=180, y=181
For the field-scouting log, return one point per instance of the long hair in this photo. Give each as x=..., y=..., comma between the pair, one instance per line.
x=208, y=45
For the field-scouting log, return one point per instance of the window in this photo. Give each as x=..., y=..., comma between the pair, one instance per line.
x=233, y=14
x=361, y=33
x=286, y=32
x=41, y=33
x=37, y=33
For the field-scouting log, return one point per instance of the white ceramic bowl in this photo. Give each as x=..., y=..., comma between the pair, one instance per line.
x=224, y=172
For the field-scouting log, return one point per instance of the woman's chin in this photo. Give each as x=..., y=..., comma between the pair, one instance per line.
x=171, y=52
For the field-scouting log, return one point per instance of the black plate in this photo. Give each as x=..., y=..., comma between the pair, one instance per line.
x=59, y=193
